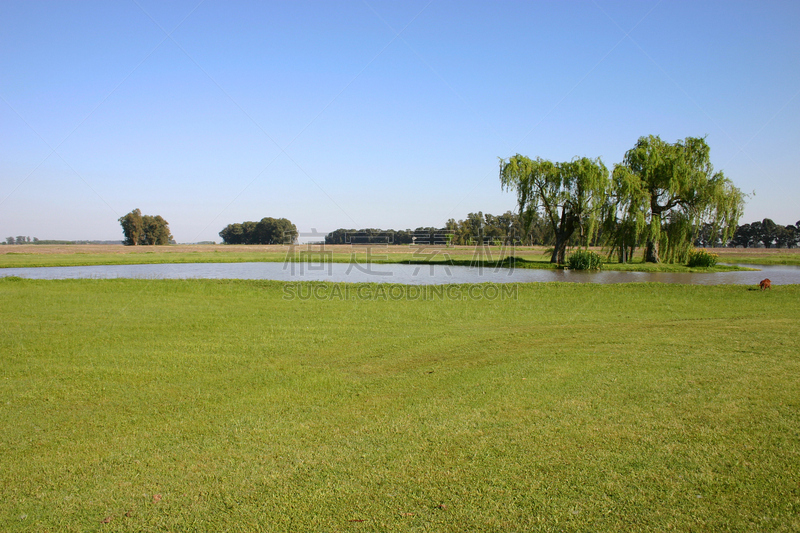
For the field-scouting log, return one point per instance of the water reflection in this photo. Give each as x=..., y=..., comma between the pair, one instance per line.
x=395, y=273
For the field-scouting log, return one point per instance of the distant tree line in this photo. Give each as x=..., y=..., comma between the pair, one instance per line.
x=767, y=234
x=21, y=240
x=267, y=231
x=477, y=228
x=421, y=235
x=144, y=229
x=11, y=240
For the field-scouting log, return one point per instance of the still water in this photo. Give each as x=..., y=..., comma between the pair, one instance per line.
x=396, y=273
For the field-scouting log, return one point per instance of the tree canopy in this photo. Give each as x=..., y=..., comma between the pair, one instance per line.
x=665, y=192
x=144, y=229
x=570, y=196
x=267, y=231
x=768, y=234
x=132, y=227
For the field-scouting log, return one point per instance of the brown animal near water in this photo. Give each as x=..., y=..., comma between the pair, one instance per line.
x=765, y=284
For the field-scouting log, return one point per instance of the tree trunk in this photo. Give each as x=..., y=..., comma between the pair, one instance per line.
x=563, y=233
x=560, y=250
x=651, y=252
x=651, y=249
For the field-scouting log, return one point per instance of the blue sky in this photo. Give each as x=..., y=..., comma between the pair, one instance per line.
x=372, y=113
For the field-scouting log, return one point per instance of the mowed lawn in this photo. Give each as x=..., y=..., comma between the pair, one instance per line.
x=201, y=405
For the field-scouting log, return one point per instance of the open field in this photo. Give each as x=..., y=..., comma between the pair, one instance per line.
x=136, y=405
x=533, y=257
x=759, y=256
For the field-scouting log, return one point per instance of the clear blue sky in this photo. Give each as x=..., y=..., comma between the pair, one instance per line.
x=372, y=113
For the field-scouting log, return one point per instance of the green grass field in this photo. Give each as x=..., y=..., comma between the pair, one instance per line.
x=760, y=256
x=141, y=405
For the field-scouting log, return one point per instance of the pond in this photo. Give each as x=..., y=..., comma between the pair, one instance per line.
x=397, y=273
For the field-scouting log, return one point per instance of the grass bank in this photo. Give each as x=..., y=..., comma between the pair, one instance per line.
x=140, y=405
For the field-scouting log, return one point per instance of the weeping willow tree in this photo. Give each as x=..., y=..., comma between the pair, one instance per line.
x=569, y=195
x=665, y=192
